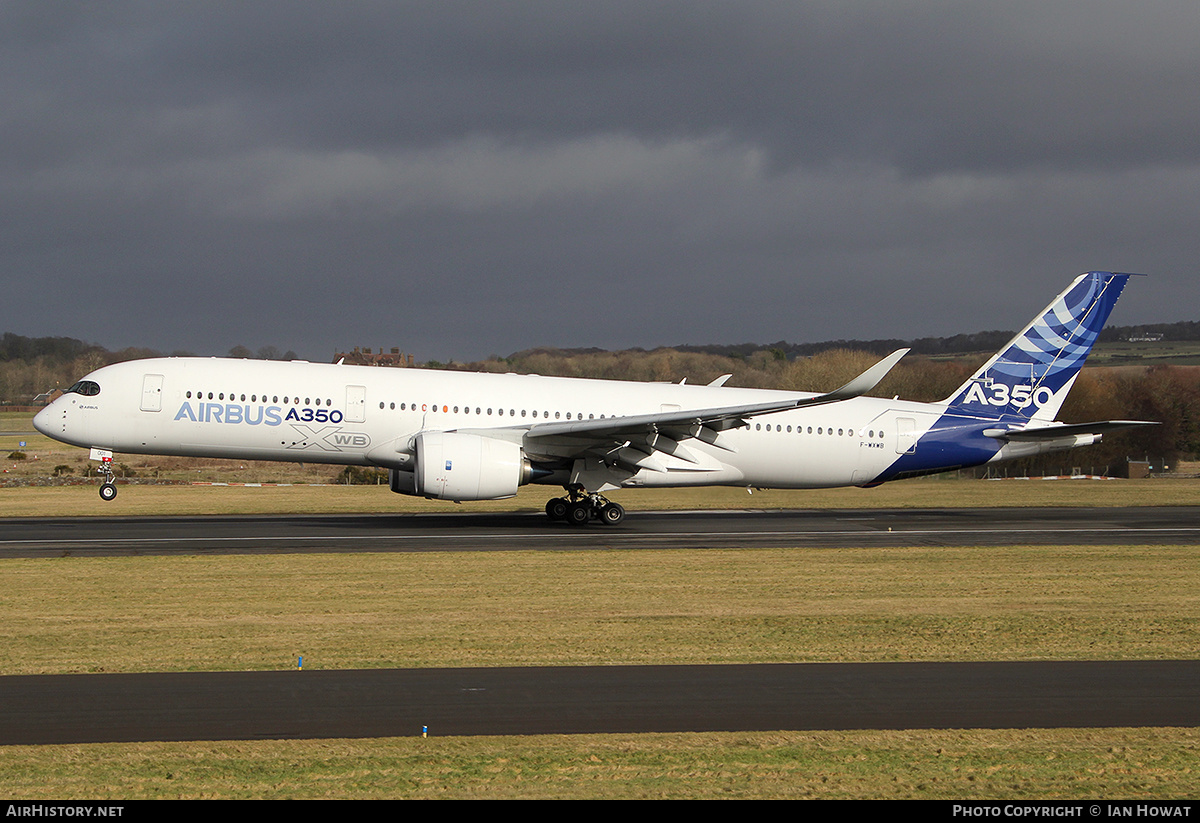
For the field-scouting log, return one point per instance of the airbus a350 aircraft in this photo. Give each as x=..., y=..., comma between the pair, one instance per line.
x=463, y=436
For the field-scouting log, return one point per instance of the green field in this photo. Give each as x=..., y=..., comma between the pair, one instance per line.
x=1168, y=352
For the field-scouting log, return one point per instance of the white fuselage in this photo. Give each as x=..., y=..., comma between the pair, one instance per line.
x=360, y=415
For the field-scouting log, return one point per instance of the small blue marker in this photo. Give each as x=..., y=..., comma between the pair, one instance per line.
x=300, y=662
x=424, y=731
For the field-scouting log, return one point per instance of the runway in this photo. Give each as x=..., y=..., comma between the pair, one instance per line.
x=609, y=699
x=107, y=536
x=618, y=699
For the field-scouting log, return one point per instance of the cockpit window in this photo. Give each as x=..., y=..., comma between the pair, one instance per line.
x=87, y=388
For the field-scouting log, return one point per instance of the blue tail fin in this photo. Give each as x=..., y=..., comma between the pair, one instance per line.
x=1031, y=376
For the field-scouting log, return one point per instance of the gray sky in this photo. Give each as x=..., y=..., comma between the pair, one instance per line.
x=463, y=179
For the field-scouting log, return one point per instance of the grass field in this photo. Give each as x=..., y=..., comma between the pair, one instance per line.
x=1173, y=352
x=202, y=613
x=133, y=500
x=1068, y=764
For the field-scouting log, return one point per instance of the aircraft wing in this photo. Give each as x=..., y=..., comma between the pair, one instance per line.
x=1035, y=433
x=632, y=440
x=715, y=419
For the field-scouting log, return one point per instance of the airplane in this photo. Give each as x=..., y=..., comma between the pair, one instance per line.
x=458, y=436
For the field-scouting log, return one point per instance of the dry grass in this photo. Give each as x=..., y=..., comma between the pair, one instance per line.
x=1066, y=764
x=83, y=501
x=595, y=608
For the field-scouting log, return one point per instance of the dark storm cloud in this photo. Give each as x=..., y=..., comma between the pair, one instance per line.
x=467, y=178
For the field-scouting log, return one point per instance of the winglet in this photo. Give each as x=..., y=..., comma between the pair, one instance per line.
x=865, y=381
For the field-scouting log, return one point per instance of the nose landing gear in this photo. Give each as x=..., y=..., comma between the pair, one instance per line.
x=108, y=489
x=580, y=507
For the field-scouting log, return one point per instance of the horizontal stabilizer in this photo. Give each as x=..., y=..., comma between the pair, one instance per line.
x=1066, y=430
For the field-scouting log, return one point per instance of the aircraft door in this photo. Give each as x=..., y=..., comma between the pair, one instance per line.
x=906, y=435
x=152, y=392
x=356, y=404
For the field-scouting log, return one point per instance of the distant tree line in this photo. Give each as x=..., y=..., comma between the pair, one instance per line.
x=32, y=365
x=984, y=341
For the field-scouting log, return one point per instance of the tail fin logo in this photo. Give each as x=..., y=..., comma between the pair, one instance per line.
x=1030, y=377
x=1003, y=395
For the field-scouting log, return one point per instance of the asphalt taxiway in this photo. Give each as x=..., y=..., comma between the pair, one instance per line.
x=42, y=537
x=605, y=699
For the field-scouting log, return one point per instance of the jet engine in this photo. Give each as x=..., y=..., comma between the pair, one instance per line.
x=454, y=466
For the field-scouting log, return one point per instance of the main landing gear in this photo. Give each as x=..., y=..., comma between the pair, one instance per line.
x=579, y=508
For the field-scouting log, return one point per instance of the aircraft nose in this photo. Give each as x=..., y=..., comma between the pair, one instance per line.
x=41, y=420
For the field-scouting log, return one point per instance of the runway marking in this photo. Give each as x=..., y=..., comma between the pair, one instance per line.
x=95, y=541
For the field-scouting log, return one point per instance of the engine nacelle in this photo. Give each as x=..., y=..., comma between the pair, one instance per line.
x=453, y=466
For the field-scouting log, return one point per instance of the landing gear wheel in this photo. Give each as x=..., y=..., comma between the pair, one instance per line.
x=107, y=491
x=612, y=514
x=579, y=513
x=556, y=509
